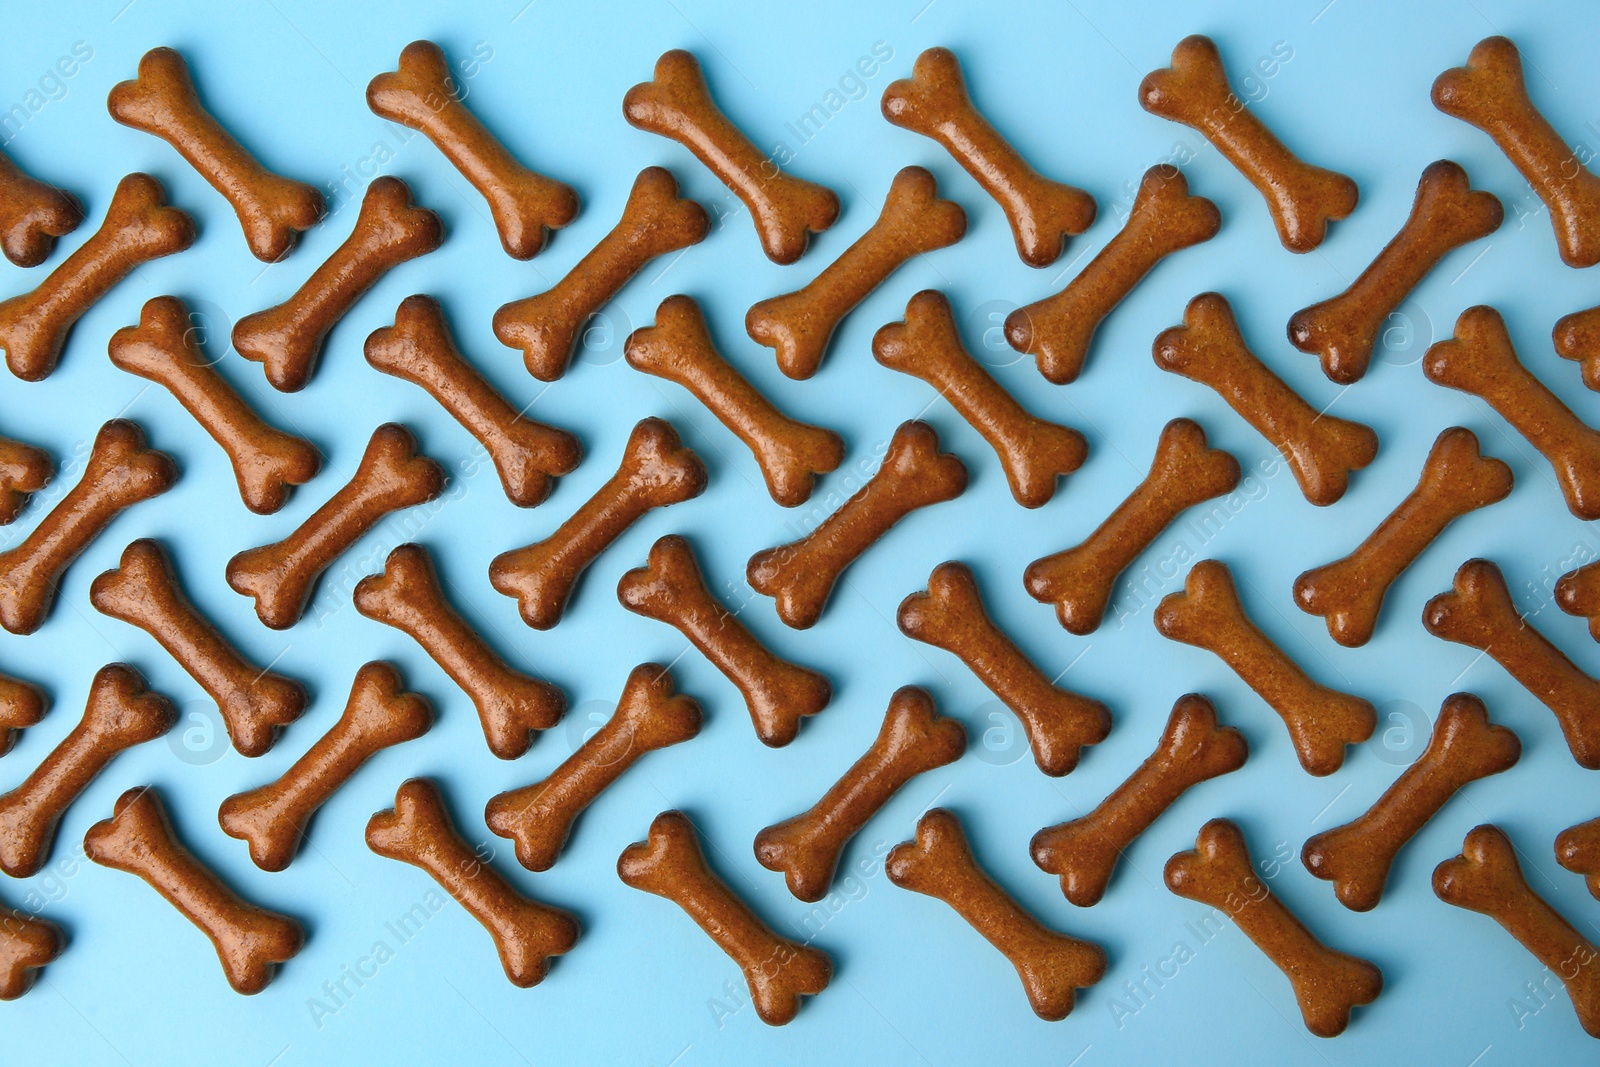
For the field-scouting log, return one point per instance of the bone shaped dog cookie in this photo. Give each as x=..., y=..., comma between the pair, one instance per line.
x=139, y=226
x=939, y=863
x=1578, y=850
x=119, y=714
x=1033, y=451
x=22, y=704
x=677, y=104
x=657, y=471
x=1328, y=984
x=798, y=326
x=1578, y=593
x=32, y=215
x=1193, y=748
x=1184, y=472
x=914, y=739
x=422, y=95
x=267, y=463
x=679, y=348
x=418, y=831
x=1480, y=360
x=511, y=705
x=24, y=469
x=250, y=940
x=671, y=588
x=527, y=454
x=1343, y=330
x=119, y=473
x=547, y=326
x=162, y=101
x=1490, y=93
x=800, y=576
x=1478, y=612
x=1321, y=721
x=1456, y=479
x=934, y=103
x=287, y=339
x=1464, y=747
x=1164, y=219
x=27, y=944
x=143, y=590
x=1577, y=337
x=778, y=971
x=539, y=817
x=1487, y=878
x=1320, y=449
x=273, y=818
x=1302, y=198
x=282, y=576
x=950, y=615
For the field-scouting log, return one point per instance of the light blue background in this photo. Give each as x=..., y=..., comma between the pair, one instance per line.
x=913, y=984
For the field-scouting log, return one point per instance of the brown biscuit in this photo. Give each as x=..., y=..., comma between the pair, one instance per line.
x=527, y=454
x=24, y=469
x=418, y=831
x=1164, y=219
x=1489, y=93
x=548, y=325
x=1320, y=449
x=1302, y=198
x=119, y=714
x=250, y=940
x=1478, y=612
x=1321, y=721
x=119, y=473
x=162, y=101
x=1464, y=747
x=1486, y=878
x=539, y=817
x=1079, y=580
x=934, y=103
x=273, y=818
x=267, y=463
x=511, y=705
x=951, y=616
x=22, y=704
x=27, y=943
x=1033, y=451
x=1578, y=593
x=143, y=590
x=139, y=226
x=777, y=970
x=914, y=738
x=801, y=575
x=1328, y=984
x=657, y=471
x=1577, y=337
x=679, y=348
x=939, y=863
x=1456, y=479
x=282, y=576
x=1446, y=214
x=677, y=105
x=671, y=588
x=287, y=339
x=1193, y=748
x=32, y=215
x=799, y=325
x=422, y=95
x=1578, y=850
x=1480, y=360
